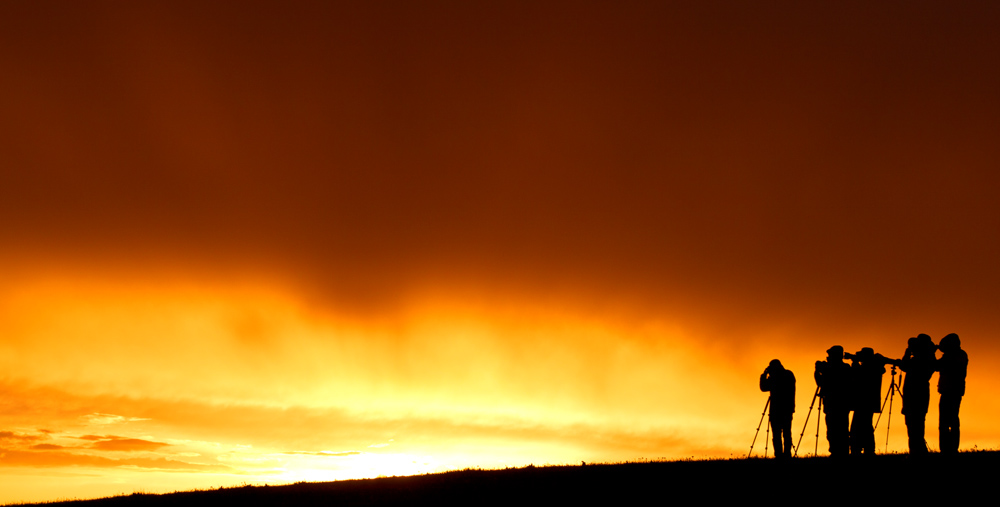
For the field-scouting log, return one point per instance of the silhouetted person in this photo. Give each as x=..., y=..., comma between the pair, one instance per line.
x=918, y=362
x=866, y=375
x=833, y=377
x=953, y=365
x=781, y=384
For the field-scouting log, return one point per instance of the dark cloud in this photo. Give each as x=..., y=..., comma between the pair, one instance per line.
x=11, y=436
x=323, y=453
x=787, y=157
x=103, y=443
x=46, y=447
x=112, y=443
x=17, y=458
x=117, y=443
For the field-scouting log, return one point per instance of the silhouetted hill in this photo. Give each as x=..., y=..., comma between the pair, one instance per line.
x=891, y=478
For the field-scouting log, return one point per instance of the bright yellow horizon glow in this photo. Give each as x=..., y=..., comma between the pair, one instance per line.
x=116, y=387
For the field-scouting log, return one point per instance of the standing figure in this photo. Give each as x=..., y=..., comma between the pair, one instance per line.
x=833, y=377
x=918, y=362
x=867, y=369
x=953, y=365
x=781, y=384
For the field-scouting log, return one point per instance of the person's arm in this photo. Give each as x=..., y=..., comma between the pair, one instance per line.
x=906, y=361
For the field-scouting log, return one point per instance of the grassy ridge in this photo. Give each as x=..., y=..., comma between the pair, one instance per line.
x=879, y=478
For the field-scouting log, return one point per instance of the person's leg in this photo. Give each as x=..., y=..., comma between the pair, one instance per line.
x=783, y=434
x=915, y=433
x=775, y=422
x=869, y=444
x=948, y=423
x=788, y=436
x=837, y=433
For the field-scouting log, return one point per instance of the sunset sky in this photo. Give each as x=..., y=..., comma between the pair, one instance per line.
x=266, y=242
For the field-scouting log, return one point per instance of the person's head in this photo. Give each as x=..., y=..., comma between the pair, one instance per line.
x=950, y=343
x=775, y=366
x=865, y=354
x=835, y=353
x=925, y=343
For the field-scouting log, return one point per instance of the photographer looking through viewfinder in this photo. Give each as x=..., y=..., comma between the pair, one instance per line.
x=833, y=377
x=918, y=362
x=781, y=384
x=867, y=369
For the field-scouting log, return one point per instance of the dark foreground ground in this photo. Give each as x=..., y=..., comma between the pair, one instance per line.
x=967, y=477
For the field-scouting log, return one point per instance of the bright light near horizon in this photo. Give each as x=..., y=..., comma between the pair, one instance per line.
x=200, y=386
x=360, y=466
x=244, y=381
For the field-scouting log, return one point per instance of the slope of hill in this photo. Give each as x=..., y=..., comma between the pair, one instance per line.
x=880, y=478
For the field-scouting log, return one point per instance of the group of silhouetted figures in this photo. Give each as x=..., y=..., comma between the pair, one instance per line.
x=857, y=387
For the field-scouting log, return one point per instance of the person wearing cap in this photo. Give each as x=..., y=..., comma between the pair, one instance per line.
x=833, y=378
x=867, y=369
x=918, y=362
x=781, y=384
x=953, y=366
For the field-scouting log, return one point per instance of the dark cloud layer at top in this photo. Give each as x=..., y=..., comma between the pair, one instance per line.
x=799, y=157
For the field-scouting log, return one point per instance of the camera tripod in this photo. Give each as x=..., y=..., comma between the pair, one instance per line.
x=767, y=432
x=893, y=389
x=819, y=410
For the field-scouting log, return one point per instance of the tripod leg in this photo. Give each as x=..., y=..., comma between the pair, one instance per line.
x=893, y=389
x=806, y=424
x=819, y=418
x=766, y=404
x=888, y=421
x=886, y=400
x=767, y=436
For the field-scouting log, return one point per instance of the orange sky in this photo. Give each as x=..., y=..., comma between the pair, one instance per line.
x=254, y=242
